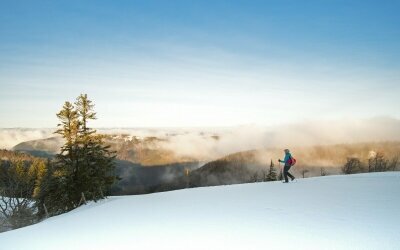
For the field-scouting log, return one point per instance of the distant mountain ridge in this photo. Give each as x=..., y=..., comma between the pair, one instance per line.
x=167, y=169
x=146, y=151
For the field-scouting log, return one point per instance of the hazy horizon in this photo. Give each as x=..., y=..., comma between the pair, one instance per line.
x=200, y=141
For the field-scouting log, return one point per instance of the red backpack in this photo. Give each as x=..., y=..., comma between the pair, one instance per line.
x=291, y=161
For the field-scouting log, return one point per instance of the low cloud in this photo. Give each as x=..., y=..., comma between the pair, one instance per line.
x=13, y=136
x=205, y=146
x=211, y=143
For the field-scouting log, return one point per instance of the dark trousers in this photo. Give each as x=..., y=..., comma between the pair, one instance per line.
x=286, y=173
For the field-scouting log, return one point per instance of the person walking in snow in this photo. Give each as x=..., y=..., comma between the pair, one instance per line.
x=288, y=162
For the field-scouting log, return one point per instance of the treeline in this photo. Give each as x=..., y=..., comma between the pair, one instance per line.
x=20, y=176
x=8, y=156
x=31, y=190
x=265, y=175
x=243, y=168
x=377, y=162
x=222, y=172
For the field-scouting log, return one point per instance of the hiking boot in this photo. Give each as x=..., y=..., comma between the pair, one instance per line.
x=293, y=179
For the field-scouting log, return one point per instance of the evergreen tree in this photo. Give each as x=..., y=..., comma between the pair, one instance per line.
x=280, y=177
x=85, y=111
x=52, y=191
x=84, y=165
x=272, y=173
x=65, y=171
x=96, y=159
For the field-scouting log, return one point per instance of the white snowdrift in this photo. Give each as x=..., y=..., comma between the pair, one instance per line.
x=336, y=212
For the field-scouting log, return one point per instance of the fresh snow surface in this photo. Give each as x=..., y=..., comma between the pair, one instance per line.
x=335, y=212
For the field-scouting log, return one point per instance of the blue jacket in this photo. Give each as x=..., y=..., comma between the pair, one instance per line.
x=286, y=159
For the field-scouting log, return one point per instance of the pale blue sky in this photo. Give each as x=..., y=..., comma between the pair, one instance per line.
x=199, y=63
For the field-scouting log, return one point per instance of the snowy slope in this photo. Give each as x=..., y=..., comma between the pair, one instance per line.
x=335, y=212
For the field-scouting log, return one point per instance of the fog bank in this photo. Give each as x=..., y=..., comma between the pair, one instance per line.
x=212, y=143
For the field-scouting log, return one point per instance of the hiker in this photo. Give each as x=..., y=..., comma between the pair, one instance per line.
x=288, y=161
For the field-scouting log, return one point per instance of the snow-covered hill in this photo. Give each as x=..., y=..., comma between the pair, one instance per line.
x=335, y=212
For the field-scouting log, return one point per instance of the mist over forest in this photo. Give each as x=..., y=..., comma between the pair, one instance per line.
x=211, y=143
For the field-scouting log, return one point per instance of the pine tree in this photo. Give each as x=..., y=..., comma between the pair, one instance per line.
x=272, y=173
x=96, y=159
x=66, y=168
x=280, y=177
x=84, y=165
x=51, y=191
